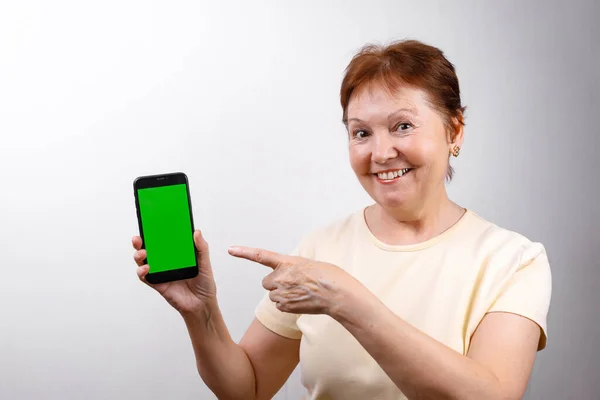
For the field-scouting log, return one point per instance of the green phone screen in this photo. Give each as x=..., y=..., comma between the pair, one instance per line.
x=167, y=227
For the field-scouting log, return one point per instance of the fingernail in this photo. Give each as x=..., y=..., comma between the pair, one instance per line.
x=233, y=249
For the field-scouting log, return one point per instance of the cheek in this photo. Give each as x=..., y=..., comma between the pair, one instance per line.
x=426, y=153
x=359, y=159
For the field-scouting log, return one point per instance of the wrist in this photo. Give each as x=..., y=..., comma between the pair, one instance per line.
x=207, y=331
x=203, y=317
x=349, y=302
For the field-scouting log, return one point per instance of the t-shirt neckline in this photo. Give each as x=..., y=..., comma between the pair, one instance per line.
x=416, y=246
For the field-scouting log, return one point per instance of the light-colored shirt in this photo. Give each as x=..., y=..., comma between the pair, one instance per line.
x=443, y=286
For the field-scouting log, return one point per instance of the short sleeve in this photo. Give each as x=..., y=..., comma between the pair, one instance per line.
x=271, y=317
x=528, y=291
x=282, y=323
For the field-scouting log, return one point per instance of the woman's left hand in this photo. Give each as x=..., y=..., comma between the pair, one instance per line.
x=299, y=285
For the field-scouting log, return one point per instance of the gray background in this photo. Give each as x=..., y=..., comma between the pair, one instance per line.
x=243, y=96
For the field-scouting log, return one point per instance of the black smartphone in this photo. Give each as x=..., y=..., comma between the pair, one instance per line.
x=164, y=213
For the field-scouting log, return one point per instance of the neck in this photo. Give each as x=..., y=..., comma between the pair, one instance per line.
x=402, y=226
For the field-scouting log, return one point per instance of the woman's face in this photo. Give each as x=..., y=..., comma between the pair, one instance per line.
x=399, y=146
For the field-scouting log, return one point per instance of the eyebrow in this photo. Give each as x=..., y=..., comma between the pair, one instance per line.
x=390, y=116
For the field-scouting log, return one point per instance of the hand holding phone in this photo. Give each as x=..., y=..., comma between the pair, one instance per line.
x=171, y=257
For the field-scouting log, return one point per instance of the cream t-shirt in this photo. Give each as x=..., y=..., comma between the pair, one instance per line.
x=443, y=286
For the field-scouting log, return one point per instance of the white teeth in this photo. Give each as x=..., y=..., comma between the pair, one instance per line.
x=391, y=175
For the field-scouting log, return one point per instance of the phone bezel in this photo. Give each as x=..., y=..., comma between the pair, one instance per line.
x=168, y=179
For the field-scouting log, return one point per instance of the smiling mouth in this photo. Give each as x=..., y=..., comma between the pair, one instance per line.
x=392, y=176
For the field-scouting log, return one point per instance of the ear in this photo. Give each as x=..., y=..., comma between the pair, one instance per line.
x=459, y=134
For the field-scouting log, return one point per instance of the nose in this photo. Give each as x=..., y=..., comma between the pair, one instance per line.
x=383, y=148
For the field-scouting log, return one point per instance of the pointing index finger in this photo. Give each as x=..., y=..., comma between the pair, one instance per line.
x=261, y=256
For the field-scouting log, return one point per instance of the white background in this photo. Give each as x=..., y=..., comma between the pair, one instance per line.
x=244, y=98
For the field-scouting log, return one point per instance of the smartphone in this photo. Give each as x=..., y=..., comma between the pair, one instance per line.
x=164, y=213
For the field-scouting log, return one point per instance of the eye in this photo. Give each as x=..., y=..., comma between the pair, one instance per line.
x=403, y=126
x=360, y=134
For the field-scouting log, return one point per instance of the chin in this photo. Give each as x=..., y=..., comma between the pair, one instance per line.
x=392, y=200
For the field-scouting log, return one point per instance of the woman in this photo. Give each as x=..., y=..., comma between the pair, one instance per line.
x=412, y=297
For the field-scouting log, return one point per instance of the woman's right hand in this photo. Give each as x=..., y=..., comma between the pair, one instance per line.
x=186, y=296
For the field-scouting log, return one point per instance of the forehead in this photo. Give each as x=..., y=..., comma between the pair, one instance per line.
x=376, y=99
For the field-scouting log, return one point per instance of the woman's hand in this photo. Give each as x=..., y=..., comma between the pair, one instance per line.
x=299, y=285
x=186, y=296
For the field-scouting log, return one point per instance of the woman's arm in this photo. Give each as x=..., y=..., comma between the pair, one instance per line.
x=498, y=364
x=255, y=369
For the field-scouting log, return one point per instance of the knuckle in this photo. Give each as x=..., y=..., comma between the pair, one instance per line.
x=290, y=279
x=139, y=258
x=285, y=306
x=270, y=284
x=273, y=297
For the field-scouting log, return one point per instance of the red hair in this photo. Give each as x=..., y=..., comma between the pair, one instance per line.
x=412, y=63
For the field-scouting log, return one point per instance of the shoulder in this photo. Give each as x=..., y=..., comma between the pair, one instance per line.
x=492, y=238
x=512, y=266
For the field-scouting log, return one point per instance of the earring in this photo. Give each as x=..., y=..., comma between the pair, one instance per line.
x=456, y=151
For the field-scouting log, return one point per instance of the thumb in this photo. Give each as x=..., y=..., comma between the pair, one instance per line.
x=201, y=244
x=202, y=251
x=202, y=254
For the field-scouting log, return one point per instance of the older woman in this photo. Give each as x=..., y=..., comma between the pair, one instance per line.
x=411, y=297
